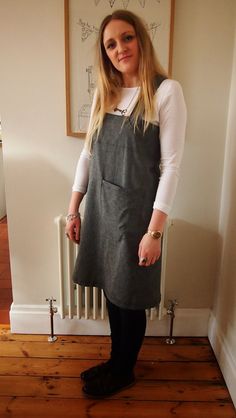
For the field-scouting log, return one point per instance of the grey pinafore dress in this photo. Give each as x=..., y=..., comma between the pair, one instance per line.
x=123, y=180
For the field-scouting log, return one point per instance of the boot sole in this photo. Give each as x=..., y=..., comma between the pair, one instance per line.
x=88, y=395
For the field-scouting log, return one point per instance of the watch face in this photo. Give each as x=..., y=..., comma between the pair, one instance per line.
x=156, y=234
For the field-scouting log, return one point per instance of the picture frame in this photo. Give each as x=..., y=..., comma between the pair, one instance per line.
x=82, y=20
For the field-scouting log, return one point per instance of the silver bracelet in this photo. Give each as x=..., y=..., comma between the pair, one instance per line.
x=72, y=216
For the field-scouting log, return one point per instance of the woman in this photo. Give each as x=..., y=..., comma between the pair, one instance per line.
x=129, y=172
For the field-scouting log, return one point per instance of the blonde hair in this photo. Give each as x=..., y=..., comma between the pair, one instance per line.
x=109, y=79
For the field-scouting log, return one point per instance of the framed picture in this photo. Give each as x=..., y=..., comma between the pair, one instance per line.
x=82, y=20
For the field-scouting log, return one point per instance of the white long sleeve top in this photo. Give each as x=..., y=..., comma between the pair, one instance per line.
x=171, y=117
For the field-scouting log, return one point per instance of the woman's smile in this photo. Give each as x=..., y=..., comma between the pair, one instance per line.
x=126, y=57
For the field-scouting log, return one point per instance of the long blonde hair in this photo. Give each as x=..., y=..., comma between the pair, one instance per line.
x=109, y=79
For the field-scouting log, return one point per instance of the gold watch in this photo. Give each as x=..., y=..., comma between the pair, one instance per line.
x=154, y=234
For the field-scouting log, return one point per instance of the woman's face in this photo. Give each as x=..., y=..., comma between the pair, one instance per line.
x=121, y=45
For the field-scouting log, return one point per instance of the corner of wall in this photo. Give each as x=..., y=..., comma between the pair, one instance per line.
x=224, y=355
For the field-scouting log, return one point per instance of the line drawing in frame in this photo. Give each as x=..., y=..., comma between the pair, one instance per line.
x=82, y=20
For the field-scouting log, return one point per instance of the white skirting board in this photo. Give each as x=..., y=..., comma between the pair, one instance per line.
x=35, y=319
x=225, y=357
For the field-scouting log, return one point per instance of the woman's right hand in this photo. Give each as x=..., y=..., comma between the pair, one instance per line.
x=72, y=230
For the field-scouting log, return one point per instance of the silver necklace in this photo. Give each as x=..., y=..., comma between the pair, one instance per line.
x=124, y=111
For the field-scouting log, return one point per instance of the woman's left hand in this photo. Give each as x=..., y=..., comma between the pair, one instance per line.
x=149, y=249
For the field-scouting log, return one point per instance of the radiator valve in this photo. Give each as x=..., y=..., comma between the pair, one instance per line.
x=52, y=311
x=171, y=312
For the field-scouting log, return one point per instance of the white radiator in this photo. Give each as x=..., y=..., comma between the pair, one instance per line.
x=85, y=302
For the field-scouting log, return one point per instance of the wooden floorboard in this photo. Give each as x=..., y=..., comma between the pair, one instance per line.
x=38, y=379
x=110, y=408
x=166, y=370
x=101, y=351
x=143, y=390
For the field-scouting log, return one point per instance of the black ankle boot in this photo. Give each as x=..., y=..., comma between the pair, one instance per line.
x=108, y=384
x=95, y=371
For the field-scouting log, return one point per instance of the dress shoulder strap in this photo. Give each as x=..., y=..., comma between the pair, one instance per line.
x=158, y=80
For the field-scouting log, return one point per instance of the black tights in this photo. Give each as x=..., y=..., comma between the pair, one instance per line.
x=127, y=334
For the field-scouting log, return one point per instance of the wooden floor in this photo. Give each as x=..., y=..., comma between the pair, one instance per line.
x=41, y=379
x=5, y=274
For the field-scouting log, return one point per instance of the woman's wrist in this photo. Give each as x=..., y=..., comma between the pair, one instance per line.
x=157, y=221
x=75, y=201
x=155, y=234
x=71, y=216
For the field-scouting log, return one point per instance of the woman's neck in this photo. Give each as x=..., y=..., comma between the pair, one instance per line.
x=130, y=80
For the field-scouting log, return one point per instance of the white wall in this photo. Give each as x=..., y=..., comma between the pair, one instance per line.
x=40, y=160
x=223, y=324
x=202, y=62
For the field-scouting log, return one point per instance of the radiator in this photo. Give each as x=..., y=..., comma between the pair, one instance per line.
x=90, y=302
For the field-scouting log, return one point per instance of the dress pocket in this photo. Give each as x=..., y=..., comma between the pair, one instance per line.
x=121, y=209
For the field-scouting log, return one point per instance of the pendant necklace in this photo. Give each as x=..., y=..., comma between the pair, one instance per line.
x=124, y=111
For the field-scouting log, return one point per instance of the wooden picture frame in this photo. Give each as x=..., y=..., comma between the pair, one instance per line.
x=82, y=20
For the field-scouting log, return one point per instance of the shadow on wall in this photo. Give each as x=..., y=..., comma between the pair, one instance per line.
x=37, y=191
x=192, y=265
x=225, y=306
x=35, y=183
